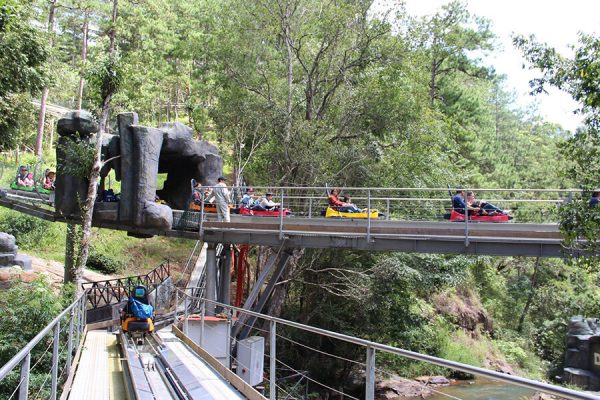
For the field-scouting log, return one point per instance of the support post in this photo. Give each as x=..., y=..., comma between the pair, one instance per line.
x=70, y=345
x=225, y=276
x=466, y=221
x=186, y=313
x=55, y=344
x=176, y=305
x=370, y=374
x=387, y=213
x=281, y=216
x=24, y=381
x=201, y=228
x=369, y=215
x=310, y=207
x=202, y=313
x=273, y=361
x=211, y=277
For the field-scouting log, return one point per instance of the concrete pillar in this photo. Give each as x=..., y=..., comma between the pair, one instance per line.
x=225, y=276
x=211, y=277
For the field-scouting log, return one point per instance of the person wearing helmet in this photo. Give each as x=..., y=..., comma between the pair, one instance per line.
x=222, y=198
x=595, y=198
x=248, y=198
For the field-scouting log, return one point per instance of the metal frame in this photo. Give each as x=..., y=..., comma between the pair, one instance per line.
x=372, y=347
x=112, y=291
x=75, y=311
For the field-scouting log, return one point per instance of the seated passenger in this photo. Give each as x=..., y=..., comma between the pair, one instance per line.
x=248, y=198
x=197, y=193
x=48, y=182
x=595, y=198
x=24, y=178
x=481, y=207
x=334, y=200
x=458, y=201
x=348, y=206
x=268, y=204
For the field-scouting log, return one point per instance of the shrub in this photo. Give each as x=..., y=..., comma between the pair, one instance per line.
x=103, y=262
x=28, y=231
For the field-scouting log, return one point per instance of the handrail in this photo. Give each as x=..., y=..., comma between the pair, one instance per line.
x=24, y=352
x=433, y=189
x=515, y=380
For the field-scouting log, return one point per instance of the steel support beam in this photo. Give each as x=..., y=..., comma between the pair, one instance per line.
x=285, y=256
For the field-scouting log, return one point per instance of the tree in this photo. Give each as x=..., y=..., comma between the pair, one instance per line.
x=23, y=55
x=580, y=77
x=107, y=77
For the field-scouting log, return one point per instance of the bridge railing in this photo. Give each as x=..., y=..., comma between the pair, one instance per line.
x=428, y=204
x=370, y=349
x=113, y=291
x=67, y=327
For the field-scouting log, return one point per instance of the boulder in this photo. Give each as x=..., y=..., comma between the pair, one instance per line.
x=157, y=216
x=397, y=388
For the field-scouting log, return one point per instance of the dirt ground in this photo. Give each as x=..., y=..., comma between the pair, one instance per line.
x=54, y=270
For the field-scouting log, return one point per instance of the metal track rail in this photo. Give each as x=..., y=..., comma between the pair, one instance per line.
x=147, y=377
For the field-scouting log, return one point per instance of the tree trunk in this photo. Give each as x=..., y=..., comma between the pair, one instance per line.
x=70, y=273
x=290, y=73
x=42, y=116
x=84, y=46
x=88, y=209
x=530, y=296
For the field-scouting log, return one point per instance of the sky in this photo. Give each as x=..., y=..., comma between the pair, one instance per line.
x=555, y=22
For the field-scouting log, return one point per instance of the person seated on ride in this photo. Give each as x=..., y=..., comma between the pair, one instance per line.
x=197, y=193
x=458, y=201
x=348, y=206
x=334, y=200
x=267, y=203
x=595, y=198
x=48, y=182
x=482, y=207
x=248, y=198
x=24, y=177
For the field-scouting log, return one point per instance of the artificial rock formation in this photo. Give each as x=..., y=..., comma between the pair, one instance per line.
x=8, y=253
x=582, y=358
x=138, y=154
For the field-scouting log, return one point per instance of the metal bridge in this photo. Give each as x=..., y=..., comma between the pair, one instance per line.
x=412, y=222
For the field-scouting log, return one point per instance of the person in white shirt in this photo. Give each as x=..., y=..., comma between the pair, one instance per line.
x=267, y=203
x=222, y=198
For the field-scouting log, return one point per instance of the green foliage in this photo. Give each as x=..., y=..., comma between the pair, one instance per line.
x=80, y=155
x=26, y=308
x=104, y=263
x=580, y=225
x=105, y=73
x=23, y=55
x=27, y=230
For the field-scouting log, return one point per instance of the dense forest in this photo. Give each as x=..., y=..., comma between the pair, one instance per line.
x=305, y=92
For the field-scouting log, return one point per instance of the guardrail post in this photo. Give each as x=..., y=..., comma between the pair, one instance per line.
x=387, y=213
x=281, y=216
x=229, y=325
x=466, y=221
x=201, y=227
x=70, y=345
x=186, y=313
x=24, y=381
x=310, y=207
x=369, y=215
x=202, y=313
x=176, y=305
x=55, y=361
x=370, y=374
x=273, y=361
